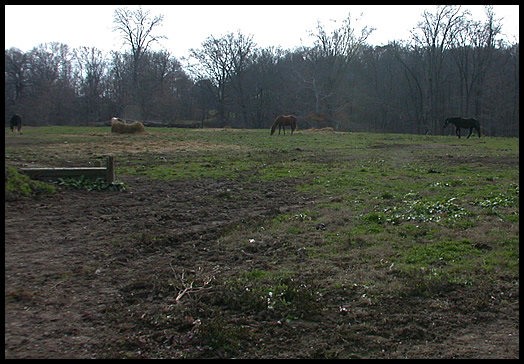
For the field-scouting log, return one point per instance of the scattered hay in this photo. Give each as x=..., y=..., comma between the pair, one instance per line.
x=327, y=129
x=120, y=127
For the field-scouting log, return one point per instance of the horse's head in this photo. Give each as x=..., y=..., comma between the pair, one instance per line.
x=446, y=123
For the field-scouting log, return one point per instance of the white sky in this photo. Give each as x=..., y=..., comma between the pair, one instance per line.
x=187, y=26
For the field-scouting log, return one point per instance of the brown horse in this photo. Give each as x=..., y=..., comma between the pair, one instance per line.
x=283, y=120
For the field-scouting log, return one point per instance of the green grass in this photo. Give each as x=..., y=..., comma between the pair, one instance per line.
x=281, y=293
x=445, y=251
x=19, y=184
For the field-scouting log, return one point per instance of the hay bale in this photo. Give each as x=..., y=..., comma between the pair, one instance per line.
x=120, y=127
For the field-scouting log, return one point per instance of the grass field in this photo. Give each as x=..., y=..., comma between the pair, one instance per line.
x=366, y=245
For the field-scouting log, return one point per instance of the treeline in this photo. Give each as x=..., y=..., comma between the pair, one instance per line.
x=452, y=65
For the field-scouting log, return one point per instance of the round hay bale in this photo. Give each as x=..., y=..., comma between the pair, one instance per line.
x=120, y=127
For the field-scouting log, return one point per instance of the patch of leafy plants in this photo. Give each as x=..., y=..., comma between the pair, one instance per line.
x=83, y=183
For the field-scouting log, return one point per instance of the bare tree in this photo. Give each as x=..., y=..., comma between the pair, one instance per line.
x=484, y=41
x=137, y=30
x=433, y=36
x=214, y=64
x=164, y=83
x=330, y=59
x=16, y=73
x=241, y=48
x=265, y=82
x=382, y=78
x=90, y=68
x=411, y=61
x=51, y=85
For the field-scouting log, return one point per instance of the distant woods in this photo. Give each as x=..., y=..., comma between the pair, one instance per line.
x=452, y=65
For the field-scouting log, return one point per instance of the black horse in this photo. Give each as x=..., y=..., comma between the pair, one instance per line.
x=16, y=122
x=464, y=123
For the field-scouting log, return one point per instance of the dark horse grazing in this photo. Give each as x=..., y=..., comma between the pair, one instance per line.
x=283, y=120
x=16, y=122
x=464, y=123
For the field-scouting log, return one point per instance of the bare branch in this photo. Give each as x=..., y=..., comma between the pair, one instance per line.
x=136, y=28
x=201, y=281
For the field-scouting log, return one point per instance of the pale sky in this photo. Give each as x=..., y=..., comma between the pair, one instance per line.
x=187, y=26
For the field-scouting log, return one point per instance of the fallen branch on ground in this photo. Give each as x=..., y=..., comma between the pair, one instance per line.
x=200, y=282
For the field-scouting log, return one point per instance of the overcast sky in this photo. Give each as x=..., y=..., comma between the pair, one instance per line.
x=187, y=26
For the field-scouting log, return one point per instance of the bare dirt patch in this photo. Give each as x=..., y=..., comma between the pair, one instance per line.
x=73, y=258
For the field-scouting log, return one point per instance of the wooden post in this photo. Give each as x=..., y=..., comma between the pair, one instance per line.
x=110, y=169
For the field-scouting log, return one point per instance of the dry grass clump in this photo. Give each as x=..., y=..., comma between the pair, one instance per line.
x=327, y=129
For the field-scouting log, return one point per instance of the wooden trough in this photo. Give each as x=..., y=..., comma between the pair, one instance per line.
x=107, y=172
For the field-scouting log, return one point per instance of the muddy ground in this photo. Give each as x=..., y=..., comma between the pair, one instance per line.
x=73, y=258
x=143, y=274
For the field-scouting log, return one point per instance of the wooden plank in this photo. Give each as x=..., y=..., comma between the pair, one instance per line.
x=49, y=173
x=107, y=172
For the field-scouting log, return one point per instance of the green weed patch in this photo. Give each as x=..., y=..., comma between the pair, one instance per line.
x=280, y=294
x=83, y=183
x=422, y=210
x=443, y=252
x=19, y=184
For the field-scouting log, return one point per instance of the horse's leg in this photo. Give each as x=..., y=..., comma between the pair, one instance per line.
x=458, y=132
x=470, y=131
